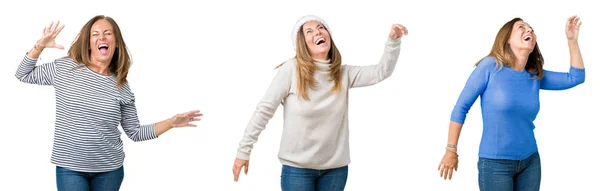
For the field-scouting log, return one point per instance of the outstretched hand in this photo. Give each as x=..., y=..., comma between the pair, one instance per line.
x=398, y=31
x=185, y=119
x=572, y=28
x=48, y=35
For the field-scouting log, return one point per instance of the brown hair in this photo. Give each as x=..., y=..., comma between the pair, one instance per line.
x=505, y=57
x=120, y=63
x=306, y=67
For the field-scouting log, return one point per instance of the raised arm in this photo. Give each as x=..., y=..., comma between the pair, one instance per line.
x=43, y=74
x=560, y=80
x=475, y=86
x=361, y=76
x=266, y=108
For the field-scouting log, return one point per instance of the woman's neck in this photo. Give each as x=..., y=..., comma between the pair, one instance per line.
x=521, y=60
x=322, y=56
x=100, y=67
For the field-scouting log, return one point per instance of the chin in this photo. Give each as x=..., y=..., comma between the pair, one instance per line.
x=531, y=48
x=104, y=58
x=323, y=51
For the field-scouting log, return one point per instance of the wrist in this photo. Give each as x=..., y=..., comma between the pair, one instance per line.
x=38, y=47
x=452, y=151
x=170, y=123
x=572, y=42
x=451, y=146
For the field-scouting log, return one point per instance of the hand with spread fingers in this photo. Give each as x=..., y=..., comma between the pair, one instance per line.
x=93, y=78
x=238, y=164
x=185, y=119
x=398, y=31
x=572, y=28
x=48, y=35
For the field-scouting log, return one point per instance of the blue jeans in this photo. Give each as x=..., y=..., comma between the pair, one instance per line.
x=302, y=179
x=510, y=175
x=68, y=180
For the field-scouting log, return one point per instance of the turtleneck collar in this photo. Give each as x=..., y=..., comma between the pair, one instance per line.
x=323, y=64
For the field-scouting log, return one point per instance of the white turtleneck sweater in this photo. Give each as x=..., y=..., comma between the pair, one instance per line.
x=315, y=132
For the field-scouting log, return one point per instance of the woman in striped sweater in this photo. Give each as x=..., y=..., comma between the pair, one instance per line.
x=92, y=99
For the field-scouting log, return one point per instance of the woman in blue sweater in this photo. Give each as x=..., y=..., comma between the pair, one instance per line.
x=509, y=80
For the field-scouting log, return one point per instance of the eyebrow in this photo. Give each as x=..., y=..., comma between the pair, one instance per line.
x=523, y=24
x=311, y=28
x=106, y=30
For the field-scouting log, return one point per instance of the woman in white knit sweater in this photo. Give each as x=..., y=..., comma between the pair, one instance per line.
x=313, y=88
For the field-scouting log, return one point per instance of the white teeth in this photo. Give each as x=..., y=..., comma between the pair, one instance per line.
x=320, y=40
x=103, y=46
x=527, y=38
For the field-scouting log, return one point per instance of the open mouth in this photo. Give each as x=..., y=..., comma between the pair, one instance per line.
x=320, y=41
x=527, y=38
x=103, y=48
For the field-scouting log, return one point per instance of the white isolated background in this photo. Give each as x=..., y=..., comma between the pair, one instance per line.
x=219, y=57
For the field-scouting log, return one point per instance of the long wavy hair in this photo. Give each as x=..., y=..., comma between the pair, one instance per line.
x=505, y=56
x=306, y=66
x=120, y=62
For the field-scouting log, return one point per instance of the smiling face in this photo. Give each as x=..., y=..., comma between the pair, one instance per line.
x=102, y=41
x=522, y=37
x=317, y=39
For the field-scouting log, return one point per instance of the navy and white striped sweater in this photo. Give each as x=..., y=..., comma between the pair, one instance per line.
x=89, y=109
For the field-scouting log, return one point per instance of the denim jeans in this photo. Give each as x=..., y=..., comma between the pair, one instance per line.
x=302, y=179
x=510, y=175
x=68, y=180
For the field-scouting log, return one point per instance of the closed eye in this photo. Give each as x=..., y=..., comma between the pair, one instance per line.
x=308, y=31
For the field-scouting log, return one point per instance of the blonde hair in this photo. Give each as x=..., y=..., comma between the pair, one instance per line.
x=306, y=67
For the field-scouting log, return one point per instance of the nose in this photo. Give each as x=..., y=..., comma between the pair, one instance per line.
x=528, y=30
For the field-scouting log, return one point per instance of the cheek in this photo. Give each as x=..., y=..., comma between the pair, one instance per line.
x=308, y=41
x=513, y=39
x=92, y=41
